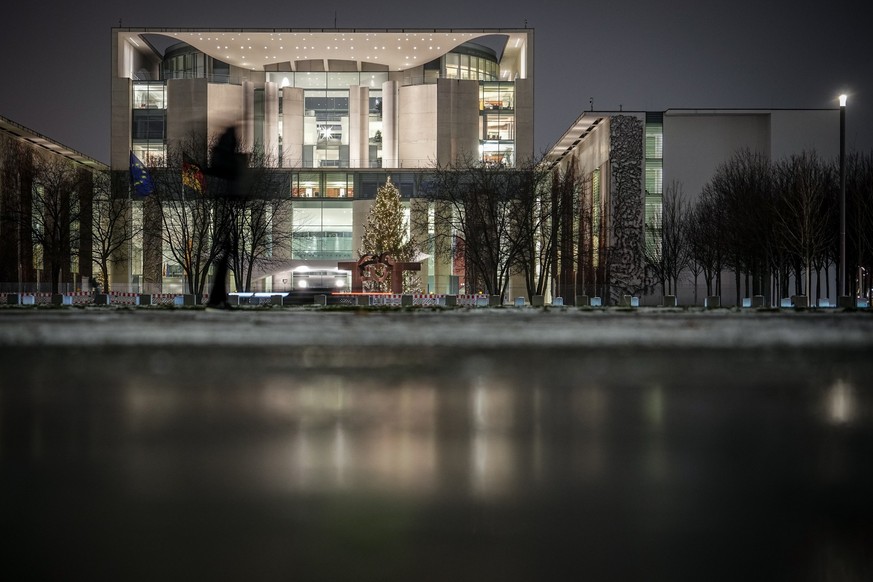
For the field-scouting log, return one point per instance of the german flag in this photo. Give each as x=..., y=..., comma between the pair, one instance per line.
x=192, y=176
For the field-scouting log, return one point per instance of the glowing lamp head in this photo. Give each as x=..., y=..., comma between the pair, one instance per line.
x=843, y=99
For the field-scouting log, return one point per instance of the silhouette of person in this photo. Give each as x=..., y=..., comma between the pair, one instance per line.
x=227, y=165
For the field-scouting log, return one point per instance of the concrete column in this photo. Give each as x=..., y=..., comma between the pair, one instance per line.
x=292, y=127
x=442, y=265
x=359, y=125
x=390, y=126
x=418, y=227
x=271, y=123
x=360, y=212
x=247, y=129
x=119, y=269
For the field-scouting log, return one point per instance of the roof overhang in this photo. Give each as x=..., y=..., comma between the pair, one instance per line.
x=576, y=134
x=24, y=134
x=398, y=49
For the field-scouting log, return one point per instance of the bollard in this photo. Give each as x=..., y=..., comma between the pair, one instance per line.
x=519, y=301
x=583, y=301
x=320, y=300
x=362, y=300
x=800, y=301
x=712, y=302
x=145, y=299
x=406, y=301
x=624, y=301
x=537, y=301
x=596, y=302
x=102, y=299
x=495, y=301
x=60, y=299
x=847, y=302
x=670, y=301
x=558, y=302
x=757, y=301
x=451, y=300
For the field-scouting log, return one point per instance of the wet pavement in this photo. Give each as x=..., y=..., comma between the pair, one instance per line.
x=410, y=446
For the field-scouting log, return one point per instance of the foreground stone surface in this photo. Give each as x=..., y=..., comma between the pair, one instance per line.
x=276, y=445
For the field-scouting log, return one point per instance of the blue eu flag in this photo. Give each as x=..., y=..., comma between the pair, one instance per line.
x=139, y=177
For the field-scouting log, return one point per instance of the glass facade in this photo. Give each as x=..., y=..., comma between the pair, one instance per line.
x=149, y=121
x=326, y=115
x=497, y=123
x=322, y=230
x=472, y=67
x=654, y=179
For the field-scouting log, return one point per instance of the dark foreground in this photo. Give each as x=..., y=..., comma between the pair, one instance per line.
x=272, y=462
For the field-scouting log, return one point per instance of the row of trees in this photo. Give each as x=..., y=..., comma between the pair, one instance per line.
x=773, y=224
x=188, y=209
x=55, y=213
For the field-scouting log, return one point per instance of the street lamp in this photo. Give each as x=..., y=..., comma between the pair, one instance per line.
x=842, y=270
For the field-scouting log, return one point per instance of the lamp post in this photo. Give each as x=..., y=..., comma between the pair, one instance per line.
x=842, y=269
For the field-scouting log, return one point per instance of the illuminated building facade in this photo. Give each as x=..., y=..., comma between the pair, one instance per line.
x=335, y=111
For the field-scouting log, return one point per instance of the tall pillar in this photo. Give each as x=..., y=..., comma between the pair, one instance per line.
x=360, y=214
x=292, y=127
x=442, y=264
x=418, y=223
x=247, y=129
x=271, y=123
x=390, y=127
x=359, y=125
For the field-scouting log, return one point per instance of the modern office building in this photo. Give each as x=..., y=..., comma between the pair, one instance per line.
x=625, y=160
x=335, y=111
x=31, y=163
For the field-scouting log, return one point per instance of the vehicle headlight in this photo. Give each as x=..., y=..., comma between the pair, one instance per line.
x=303, y=283
x=340, y=283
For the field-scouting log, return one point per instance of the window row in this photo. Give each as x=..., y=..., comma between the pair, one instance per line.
x=459, y=66
x=325, y=80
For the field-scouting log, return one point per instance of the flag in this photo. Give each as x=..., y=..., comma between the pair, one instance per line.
x=192, y=176
x=139, y=177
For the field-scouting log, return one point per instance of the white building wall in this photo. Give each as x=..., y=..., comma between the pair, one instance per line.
x=271, y=123
x=457, y=120
x=359, y=124
x=417, y=126
x=390, y=123
x=292, y=127
x=225, y=105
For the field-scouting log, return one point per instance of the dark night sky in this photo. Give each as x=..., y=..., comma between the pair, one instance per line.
x=638, y=54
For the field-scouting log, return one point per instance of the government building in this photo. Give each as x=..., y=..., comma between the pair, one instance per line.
x=335, y=112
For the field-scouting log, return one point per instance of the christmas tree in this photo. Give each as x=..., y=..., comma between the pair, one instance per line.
x=386, y=233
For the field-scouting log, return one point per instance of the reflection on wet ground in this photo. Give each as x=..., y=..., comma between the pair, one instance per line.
x=437, y=464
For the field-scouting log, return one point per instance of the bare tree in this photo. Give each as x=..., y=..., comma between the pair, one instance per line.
x=705, y=237
x=484, y=208
x=804, y=185
x=258, y=221
x=112, y=227
x=189, y=222
x=859, y=224
x=54, y=219
x=740, y=190
x=667, y=250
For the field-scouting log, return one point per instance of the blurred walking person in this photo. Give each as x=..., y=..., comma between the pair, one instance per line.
x=226, y=167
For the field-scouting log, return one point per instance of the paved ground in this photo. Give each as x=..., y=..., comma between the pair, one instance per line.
x=475, y=445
